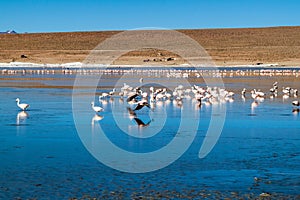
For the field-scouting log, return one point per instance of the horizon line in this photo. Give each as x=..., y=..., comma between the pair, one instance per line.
x=156, y=28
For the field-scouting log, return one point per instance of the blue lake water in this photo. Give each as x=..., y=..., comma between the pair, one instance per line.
x=42, y=155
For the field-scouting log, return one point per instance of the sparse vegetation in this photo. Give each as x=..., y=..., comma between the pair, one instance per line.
x=226, y=46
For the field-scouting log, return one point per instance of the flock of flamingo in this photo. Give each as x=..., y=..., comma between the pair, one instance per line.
x=172, y=72
x=137, y=98
x=140, y=98
x=210, y=95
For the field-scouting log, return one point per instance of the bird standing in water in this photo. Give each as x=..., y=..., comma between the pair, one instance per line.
x=296, y=103
x=96, y=108
x=141, y=104
x=22, y=106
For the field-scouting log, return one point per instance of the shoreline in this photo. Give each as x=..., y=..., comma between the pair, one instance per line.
x=80, y=65
x=178, y=71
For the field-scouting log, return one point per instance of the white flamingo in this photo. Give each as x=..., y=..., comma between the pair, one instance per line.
x=103, y=95
x=111, y=93
x=259, y=93
x=244, y=92
x=96, y=108
x=296, y=103
x=22, y=106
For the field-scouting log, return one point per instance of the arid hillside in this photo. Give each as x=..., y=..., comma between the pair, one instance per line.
x=226, y=46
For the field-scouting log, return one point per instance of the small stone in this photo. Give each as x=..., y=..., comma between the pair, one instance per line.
x=264, y=194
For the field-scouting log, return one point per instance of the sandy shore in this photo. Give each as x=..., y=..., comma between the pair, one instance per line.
x=83, y=65
x=227, y=47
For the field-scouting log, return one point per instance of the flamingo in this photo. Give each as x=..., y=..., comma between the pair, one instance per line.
x=244, y=92
x=103, y=95
x=259, y=93
x=141, y=104
x=111, y=93
x=296, y=103
x=141, y=80
x=23, y=106
x=96, y=108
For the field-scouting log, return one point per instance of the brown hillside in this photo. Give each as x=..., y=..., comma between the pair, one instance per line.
x=226, y=46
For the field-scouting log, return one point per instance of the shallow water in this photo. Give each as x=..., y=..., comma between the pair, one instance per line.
x=42, y=155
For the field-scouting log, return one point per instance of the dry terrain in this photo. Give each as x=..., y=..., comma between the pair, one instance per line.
x=226, y=46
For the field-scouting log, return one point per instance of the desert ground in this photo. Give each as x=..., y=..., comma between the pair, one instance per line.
x=227, y=47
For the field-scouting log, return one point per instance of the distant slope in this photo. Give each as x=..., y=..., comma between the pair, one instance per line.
x=226, y=46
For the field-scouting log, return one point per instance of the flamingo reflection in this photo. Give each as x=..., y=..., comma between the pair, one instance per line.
x=140, y=123
x=21, y=116
x=96, y=118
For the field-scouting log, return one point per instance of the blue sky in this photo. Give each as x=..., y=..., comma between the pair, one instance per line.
x=92, y=15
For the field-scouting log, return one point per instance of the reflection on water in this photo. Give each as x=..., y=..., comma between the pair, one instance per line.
x=96, y=118
x=141, y=123
x=21, y=117
x=296, y=111
x=258, y=150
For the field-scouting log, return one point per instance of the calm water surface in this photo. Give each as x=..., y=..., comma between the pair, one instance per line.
x=42, y=156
